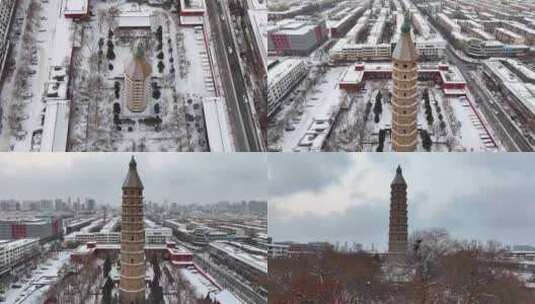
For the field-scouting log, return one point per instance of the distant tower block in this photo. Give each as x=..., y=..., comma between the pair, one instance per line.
x=397, y=235
x=137, y=80
x=132, y=281
x=404, y=104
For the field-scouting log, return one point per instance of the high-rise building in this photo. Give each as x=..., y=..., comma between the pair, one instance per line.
x=58, y=204
x=137, y=80
x=90, y=204
x=132, y=281
x=397, y=234
x=404, y=104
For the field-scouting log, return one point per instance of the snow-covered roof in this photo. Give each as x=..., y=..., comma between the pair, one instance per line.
x=62, y=42
x=258, y=262
x=111, y=225
x=201, y=283
x=217, y=125
x=191, y=20
x=11, y=244
x=452, y=75
x=163, y=231
x=259, y=22
x=352, y=76
x=524, y=92
x=133, y=21
x=75, y=6
x=226, y=297
x=133, y=16
x=281, y=69
x=56, y=126
x=194, y=5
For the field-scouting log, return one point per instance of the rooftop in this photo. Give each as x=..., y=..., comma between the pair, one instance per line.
x=258, y=262
x=75, y=6
x=281, y=69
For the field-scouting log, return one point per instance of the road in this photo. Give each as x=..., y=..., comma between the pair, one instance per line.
x=243, y=122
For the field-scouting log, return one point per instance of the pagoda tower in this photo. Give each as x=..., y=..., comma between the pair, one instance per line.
x=397, y=234
x=132, y=254
x=138, y=90
x=404, y=102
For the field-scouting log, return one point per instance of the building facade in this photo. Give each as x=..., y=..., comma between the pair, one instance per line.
x=42, y=229
x=398, y=227
x=132, y=282
x=283, y=77
x=404, y=103
x=7, y=8
x=13, y=252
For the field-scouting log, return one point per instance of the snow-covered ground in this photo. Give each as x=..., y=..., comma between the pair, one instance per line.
x=473, y=137
x=42, y=40
x=33, y=290
x=323, y=101
x=464, y=128
x=92, y=127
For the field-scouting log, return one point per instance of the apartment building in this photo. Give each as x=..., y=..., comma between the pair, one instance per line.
x=284, y=75
x=15, y=251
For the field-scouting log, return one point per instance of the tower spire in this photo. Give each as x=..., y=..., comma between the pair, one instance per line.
x=406, y=27
x=398, y=179
x=132, y=179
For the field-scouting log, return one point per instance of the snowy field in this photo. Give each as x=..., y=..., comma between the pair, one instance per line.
x=32, y=290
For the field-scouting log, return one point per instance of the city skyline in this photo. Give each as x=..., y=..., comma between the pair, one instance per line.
x=180, y=178
x=347, y=197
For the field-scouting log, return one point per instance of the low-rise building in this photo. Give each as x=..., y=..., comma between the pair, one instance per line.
x=191, y=12
x=152, y=236
x=520, y=94
x=177, y=255
x=448, y=77
x=13, y=252
x=76, y=9
x=41, y=229
x=7, y=9
x=507, y=36
x=299, y=36
x=276, y=250
x=249, y=264
x=282, y=78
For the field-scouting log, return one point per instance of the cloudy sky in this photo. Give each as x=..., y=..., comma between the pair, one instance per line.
x=182, y=178
x=343, y=197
